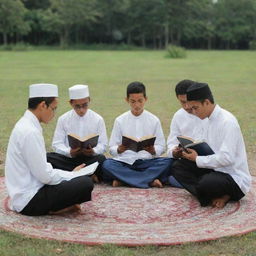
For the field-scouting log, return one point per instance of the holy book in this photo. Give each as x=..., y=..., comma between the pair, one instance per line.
x=137, y=145
x=201, y=147
x=84, y=142
x=89, y=169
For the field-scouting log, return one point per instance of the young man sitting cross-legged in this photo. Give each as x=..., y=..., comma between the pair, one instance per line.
x=138, y=169
x=223, y=176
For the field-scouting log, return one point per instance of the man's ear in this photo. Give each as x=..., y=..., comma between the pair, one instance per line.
x=127, y=99
x=207, y=102
x=41, y=105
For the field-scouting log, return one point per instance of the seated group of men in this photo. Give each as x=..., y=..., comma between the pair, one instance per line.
x=40, y=183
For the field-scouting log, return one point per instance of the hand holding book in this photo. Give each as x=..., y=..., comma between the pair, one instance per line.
x=191, y=154
x=86, y=142
x=136, y=145
x=201, y=147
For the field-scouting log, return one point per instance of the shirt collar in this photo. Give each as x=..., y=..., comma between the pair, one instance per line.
x=136, y=117
x=215, y=112
x=76, y=116
x=29, y=115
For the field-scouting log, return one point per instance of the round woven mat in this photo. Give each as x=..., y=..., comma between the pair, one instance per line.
x=131, y=216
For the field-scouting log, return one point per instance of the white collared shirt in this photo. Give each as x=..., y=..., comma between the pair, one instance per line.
x=70, y=122
x=128, y=124
x=225, y=138
x=26, y=167
x=184, y=124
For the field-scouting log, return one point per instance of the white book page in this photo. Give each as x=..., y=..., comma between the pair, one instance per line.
x=87, y=170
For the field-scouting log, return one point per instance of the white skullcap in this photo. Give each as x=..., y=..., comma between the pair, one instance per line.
x=43, y=90
x=78, y=91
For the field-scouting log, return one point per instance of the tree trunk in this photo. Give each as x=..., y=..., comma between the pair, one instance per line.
x=209, y=43
x=5, y=38
x=143, y=41
x=166, y=35
x=154, y=41
x=129, y=38
x=64, y=38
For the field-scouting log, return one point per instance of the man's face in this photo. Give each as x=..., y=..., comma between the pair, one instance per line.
x=80, y=106
x=199, y=109
x=136, y=102
x=48, y=112
x=184, y=103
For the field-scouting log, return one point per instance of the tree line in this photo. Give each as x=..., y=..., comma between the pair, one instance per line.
x=205, y=24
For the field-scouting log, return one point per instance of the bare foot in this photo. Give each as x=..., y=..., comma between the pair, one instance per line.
x=72, y=208
x=220, y=202
x=116, y=183
x=156, y=183
x=95, y=179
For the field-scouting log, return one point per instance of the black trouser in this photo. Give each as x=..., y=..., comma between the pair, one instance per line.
x=205, y=184
x=57, y=197
x=62, y=162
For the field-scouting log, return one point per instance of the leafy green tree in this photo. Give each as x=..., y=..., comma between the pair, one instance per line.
x=65, y=15
x=234, y=20
x=12, y=20
x=200, y=22
x=36, y=4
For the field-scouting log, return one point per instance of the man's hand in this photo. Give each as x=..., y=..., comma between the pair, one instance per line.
x=78, y=167
x=192, y=155
x=177, y=152
x=121, y=148
x=88, y=151
x=150, y=149
x=75, y=152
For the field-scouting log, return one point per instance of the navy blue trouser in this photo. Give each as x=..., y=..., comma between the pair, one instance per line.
x=140, y=174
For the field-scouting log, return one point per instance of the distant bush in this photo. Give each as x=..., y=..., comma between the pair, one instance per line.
x=16, y=47
x=174, y=51
x=101, y=46
x=252, y=45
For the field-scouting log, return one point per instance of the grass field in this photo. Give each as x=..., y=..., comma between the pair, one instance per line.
x=231, y=75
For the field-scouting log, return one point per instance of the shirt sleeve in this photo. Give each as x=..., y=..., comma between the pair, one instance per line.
x=115, y=139
x=35, y=155
x=58, y=142
x=226, y=153
x=160, y=139
x=103, y=140
x=172, y=141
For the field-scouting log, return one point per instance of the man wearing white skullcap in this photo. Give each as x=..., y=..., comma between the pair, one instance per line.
x=33, y=185
x=82, y=122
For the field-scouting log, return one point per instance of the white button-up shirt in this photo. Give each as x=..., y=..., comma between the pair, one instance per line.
x=184, y=124
x=71, y=122
x=224, y=136
x=127, y=124
x=26, y=167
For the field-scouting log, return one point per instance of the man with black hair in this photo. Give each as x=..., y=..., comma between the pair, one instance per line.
x=34, y=187
x=223, y=176
x=183, y=122
x=138, y=169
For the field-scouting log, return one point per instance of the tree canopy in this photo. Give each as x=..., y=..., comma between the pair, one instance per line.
x=148, y=23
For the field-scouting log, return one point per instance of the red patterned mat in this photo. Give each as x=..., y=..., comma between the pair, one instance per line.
x=130, y=216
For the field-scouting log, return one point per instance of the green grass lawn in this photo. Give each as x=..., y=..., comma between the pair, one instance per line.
x=230, y=74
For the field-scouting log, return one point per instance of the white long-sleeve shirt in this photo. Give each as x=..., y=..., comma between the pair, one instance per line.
x=70, y=122
x=26, y=167
x=128, y=124
x=184, y=124
x=224, y=136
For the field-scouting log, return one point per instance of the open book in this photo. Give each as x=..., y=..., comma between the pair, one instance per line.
x=138, y=144
x=89, y=170
x=77, y=142
x=201, y=147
